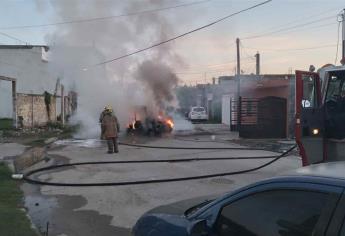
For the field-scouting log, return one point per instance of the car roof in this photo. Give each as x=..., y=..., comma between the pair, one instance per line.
x=335, y=170
x=332, y=174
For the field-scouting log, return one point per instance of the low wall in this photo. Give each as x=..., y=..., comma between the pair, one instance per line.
x=33, y=111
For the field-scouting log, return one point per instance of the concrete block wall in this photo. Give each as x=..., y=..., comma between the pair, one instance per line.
x=33, y=109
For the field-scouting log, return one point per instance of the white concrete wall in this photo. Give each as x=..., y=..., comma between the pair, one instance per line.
x=226, y=109
x=32, y=74
x=5, y=99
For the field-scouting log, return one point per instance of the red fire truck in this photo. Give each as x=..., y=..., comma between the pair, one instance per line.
x=320, y=114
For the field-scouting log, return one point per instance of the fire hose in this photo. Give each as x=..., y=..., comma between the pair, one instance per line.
x=190, y=148
x=201, y=141
x=27, y=178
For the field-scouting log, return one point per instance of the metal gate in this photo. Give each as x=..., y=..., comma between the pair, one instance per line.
x=259, y=118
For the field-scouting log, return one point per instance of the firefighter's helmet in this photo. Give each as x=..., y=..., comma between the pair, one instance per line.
x=108, y=108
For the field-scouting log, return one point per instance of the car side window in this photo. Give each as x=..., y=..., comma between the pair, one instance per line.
x=272, y=213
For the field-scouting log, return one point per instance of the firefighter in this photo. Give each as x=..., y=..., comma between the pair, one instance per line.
x=110, y=126
x=106, y=108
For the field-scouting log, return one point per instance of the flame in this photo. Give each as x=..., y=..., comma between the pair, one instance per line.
x=131, y=125
x=170, y=123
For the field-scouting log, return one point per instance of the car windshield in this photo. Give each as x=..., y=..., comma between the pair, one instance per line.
x=193, y=209
x=199, y=109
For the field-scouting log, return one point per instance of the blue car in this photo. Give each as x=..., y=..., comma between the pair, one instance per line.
x=308, y=201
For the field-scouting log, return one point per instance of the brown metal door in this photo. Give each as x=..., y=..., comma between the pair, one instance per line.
x=263, y=118
x=272, y=116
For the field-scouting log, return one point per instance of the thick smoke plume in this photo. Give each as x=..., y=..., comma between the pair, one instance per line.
x=159, y=80
x=141, y=80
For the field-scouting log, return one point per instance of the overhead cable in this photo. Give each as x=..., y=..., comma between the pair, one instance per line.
x=12, y=37
x=182, y=35
x=102, y=18
x=292, y=49
x=286, y=28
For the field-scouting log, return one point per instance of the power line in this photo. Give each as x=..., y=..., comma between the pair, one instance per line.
x=12, y=37
x=310, y=28
x=201, y=72
x=291, y=22
x=210, y=71
x=304, y=17
x=287, y=28
x=221, y=63
x=293, y=49
x=244, y=51
x=182, y=35
x=104, y=17
x=214, y=65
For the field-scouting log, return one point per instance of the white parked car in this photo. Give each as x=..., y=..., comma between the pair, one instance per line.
x=198, y=114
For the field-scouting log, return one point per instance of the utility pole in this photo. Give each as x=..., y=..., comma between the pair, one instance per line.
x=257, y=56
x=343, y=28
x=32, y=109
x=238, y=75
x=238, y=72
x=62, y=105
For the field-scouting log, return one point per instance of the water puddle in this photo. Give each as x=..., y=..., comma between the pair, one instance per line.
x=88, y=143
x=40, y=210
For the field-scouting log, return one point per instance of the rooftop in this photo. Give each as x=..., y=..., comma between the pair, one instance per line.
x=23, y=47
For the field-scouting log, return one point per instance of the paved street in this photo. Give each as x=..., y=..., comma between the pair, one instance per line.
x=10, y=149
x=114, y=210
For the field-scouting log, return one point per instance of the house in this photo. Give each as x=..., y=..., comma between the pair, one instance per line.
x=30, y=94
x=266, y=108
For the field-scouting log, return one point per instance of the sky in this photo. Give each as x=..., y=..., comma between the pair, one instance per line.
x=293, y=34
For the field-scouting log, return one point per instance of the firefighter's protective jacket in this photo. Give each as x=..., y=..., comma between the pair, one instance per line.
x=110, y=126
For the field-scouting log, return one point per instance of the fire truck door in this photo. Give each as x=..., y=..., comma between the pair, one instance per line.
x=309, y=129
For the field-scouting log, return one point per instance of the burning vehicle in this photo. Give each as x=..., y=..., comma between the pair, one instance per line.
x=144, y=122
